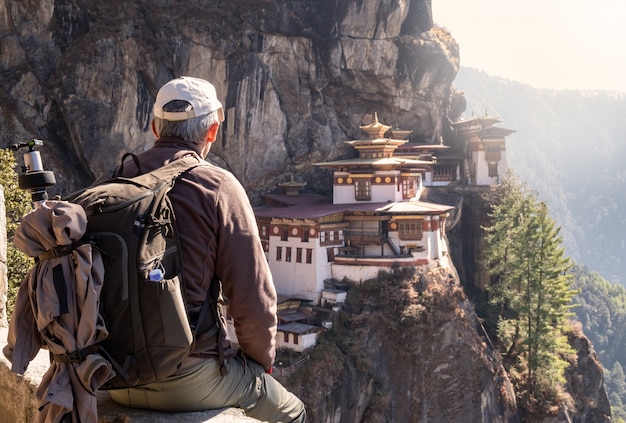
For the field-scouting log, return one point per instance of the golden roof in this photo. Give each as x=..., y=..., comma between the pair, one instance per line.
x=375, y=129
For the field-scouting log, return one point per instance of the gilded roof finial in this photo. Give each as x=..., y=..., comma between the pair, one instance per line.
x=375, y=129
x=399, y=134
x=292, y=188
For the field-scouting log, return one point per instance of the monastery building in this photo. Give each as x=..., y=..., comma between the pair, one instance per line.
x=376, y=219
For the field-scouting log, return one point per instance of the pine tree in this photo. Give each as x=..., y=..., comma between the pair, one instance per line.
x=549, y=302
x=617, y=378
x=531, y=291
x=503, y=255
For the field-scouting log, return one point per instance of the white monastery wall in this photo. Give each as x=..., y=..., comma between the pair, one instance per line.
x=355, y=272
x=343, y=194
x=503, y=167
x=482, y=170
x=293, y=278
x=304, y=341
x=433, y=249
x=386, y=192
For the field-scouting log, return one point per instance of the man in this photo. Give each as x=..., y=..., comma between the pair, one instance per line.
x=219, y=239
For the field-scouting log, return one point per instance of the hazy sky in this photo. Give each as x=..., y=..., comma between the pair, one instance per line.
x=560, y=44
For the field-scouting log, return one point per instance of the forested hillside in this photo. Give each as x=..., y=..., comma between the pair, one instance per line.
x=601, y=308
x=569, y=146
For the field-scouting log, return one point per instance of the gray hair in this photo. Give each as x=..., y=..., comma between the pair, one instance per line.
x=191, y=130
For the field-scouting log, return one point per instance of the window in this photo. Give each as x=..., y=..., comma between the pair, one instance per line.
x=305, y=235
x=286, y=337
x=493, y=170
x=331, y=237
x=492, y=152
x=444, y=172
x=411, y=229
x=309, y=255
x=362, y=190
x=295, y=339
x=285, y=234
x=408, y=188
x=288, y=254
x=279, y=253
x=298, y=255
x=264, y=234
x=330, y=254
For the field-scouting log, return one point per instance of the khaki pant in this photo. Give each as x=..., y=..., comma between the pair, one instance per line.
x=246, y=386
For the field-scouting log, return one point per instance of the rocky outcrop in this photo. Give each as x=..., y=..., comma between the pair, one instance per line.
x=297, y=78
x=407, y=348
x=585, y=382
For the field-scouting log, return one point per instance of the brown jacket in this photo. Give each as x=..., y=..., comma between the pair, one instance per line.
x=219, y=235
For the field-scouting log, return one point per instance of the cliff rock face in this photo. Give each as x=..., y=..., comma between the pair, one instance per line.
x=296, y=78
x=407, y=348
x=585, y=382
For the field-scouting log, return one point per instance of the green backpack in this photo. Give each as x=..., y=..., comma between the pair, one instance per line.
x=151, y=330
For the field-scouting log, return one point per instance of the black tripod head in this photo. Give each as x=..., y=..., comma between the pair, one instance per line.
x=33, y=177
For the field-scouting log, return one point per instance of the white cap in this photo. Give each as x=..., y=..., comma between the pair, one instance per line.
x=197, y=92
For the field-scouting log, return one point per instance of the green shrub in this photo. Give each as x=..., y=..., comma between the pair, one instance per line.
x=17, y=203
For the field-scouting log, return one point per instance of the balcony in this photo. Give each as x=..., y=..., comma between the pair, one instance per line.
x=364, y=238
x=446, y=173
x=358, y=241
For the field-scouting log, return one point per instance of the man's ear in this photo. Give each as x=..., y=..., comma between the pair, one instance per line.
x=153, y=127
x=211, y=134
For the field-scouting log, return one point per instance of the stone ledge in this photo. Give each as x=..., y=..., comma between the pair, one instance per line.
x=23, y=404
x=111, y=412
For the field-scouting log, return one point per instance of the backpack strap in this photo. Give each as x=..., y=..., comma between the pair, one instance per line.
x=209, y=329
x=174, y=169
x=120, y=170
x=169, y=172
x=209, y=319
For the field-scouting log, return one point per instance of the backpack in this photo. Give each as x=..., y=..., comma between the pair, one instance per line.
x=132, y=223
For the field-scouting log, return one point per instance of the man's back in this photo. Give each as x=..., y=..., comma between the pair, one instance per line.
x=219, y=237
